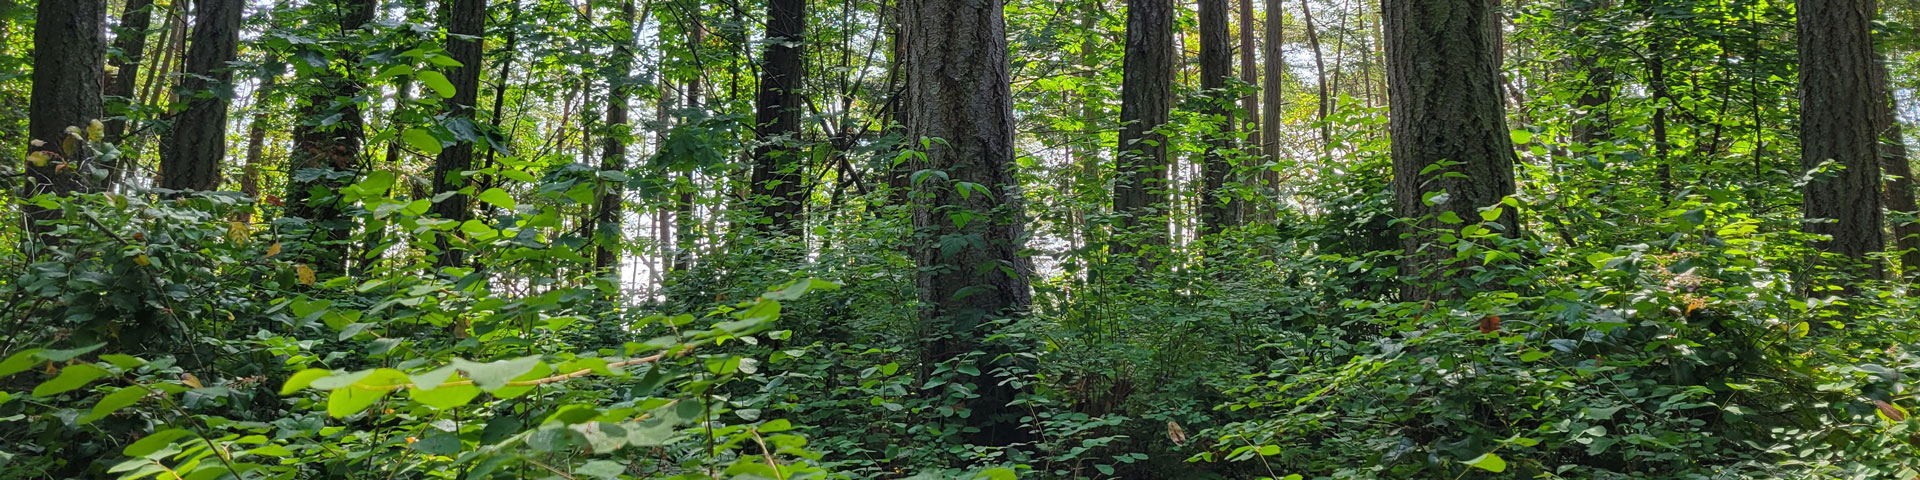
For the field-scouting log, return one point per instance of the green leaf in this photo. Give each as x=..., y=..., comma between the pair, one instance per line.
x=601, y=469
x=1522, y=137
x=422, y=140
x=20, y=362
x=780, y=425
x=1491, y=214
x=1450, y=217
x=153, y=443
x=125, y=362
x=72, y=377
x=793, y=291
x=493, y=375
x=445, y=397
x=69, y=354
x=351, y=399
x=115, y=401
x=498, y=198
x=438, y=82
x=1489, y=462
x=438, y=444
x=996, y=474
x=302, y=379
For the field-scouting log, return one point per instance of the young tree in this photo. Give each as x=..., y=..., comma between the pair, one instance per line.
x=1146, y=95
x=131, y=42
x=777, y=167
x=190, y=156
x=968, y=223
x=329, y=147
x=1320, y=77
x=70, y=49
x=1216, y=66
x=1274, y=84
x=608, y=216
x=1249, y=73
x=1838, y=101
x=465, y=21
x=1452, y=152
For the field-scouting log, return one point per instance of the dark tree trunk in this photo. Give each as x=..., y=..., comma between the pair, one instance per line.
x=778, y=180
x=1444, y=85
x=190, y=156
x=69, y=53
x=1146, y=95
x=1838, y=106
x=1893, y=159
x=329, y=149
x=132, y=44
x=1594, y=122
x=685, y=226
x=256, y=144
x=1249, y=73
x=1216, y=66
x=465, y=21
x=609, y=214
x=970, y=271
x=1274, y=86
x=1320, y=77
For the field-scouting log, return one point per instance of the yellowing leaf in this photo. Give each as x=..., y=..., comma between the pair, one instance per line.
x=38, y=159
x=96, y=130
x=237, y=231
x=305, y=273
x=273, y=250
x=142, y=260
x=191, y=381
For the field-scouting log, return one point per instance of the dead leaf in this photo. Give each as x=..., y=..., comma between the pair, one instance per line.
x=273, y=250
x=191, y=381
x=1175, y=433
x=305, y=273
x=1490, y=324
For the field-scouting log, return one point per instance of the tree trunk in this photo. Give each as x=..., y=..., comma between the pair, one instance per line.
x=329, y=149
x=1275, y=89
x=1594, y=123
x=465, y=21
x=1893, y=158
x=610, y=216
x=778, y=180
x=256, y=144
x=967, y=242
x=1446, y=114
x=132, y=44
x=1838, y=105
x=70, y=49
x=190, y=157
x=1320, y=77
x=1146, y=95
x=1249, y=73
x=1216, y=66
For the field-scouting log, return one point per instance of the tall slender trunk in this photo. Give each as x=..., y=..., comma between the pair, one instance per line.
x=610, y=236
x=778, y=183
x=132, y=44
x=1146, y=96
x=1320, y=75
x=686, y=235
x=190, y=156
x=256, y=143
x=465, y=21
x=1449, y=130
x=1274, y=86
x=970, y=271
x=1249, y=73
x=1839, y=100
x=1217, y=205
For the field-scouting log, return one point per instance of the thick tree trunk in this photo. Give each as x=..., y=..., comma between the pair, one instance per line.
x=132, y=44
x=190, y=156
x=465, y=21
x=329, y=148
x=967, y=242
x=1146, y=95
x=1216, y=66
x=609, y=214
x=778, y=180
x=1838, y=105
x=1446, y=114
x=69, y=53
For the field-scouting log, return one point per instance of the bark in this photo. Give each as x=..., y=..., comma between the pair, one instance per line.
x=131, y=42
x=1249, y=73
x=256, y=144
x=190, y=156
x=685, y=226
x=1594, y=123
x=465, y=21
x=69, y=53
x=778, y=180
x=1443, y=91
x=1216, y=66
x=1146, y=95
x=1275, y=90
x=1320, y=76
x=1899, y=170
x=970, y=271
x=609, y=214
x=1838, y=105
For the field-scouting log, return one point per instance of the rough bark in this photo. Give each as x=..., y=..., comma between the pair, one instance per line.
x=465, y=22
x=778, y=182
x=1444, y=84
x=1838, y=105
x=190, y=155
x=69, y=54
x=131, y=42
x=330, y=148
x=1146, y=95
x=609, y=214
x=1274, y=86
x=970, y=271
x=1216, y=66
x=1593, y=122
x=1249, y=73
x=256, y=144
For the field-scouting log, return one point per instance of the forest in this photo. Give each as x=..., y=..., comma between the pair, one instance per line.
x=959, y=239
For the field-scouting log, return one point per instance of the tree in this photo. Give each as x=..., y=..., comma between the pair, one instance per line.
x=1146, y=95
x=1217, y=209
x=1452, y=153
x=1320, y=78
x=1273, y=86
x=70, y=49
x=608, y=216
x=1839, y=143
x=778, y=183
x=190, y=156
x=131, y=43
x=327, y=148
x=1899, y=169
x=967, y=219
x=1249, y=73
x=465, y=21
